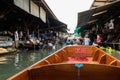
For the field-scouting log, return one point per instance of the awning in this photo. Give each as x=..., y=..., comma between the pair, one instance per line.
x=52, y=21
x=56, y=24
x=99, y=14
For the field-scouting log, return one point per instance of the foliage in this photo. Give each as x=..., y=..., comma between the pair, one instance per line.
x=107, y=49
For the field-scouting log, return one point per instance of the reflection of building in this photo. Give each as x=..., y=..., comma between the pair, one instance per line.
x=29, y=15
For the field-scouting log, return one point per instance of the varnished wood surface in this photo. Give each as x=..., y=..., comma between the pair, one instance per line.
x=70, y=72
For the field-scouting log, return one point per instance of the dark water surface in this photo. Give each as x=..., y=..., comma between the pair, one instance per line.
x=12, y=64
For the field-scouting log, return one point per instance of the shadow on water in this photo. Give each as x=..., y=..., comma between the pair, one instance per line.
x=12, y=64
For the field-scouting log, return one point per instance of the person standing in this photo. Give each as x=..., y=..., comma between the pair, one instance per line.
x=86, y=40
x=16, y=37
x=98, y=40
x=111, y=25
x=21, y=35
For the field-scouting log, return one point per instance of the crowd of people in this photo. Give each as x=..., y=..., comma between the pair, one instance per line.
x=86, y=40
x=44, y=41
x=106, y=33
x=48, y=42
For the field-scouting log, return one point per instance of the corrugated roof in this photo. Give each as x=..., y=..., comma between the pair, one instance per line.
x=98, y=3
x=99, y=14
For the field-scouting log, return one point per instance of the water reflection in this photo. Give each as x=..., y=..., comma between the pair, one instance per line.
x=2, y=60
x=12, y=64
x=16, y=61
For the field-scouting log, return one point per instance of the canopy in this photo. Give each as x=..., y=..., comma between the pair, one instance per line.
x=76, y=31
x=99, y=14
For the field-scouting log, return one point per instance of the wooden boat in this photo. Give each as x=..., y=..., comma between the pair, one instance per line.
x=6, y=47
x=29, y=45
x=6, y=44
x=4, y=51
x=73, y=63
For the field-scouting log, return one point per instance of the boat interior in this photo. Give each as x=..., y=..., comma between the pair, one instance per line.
x=79, y=54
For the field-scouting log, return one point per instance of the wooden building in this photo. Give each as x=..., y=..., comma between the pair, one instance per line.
x=29, y=15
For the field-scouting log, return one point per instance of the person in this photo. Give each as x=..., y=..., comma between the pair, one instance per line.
x=21, y=35
x=98, y=40
x=92, y=36
x=10, y=39
x=68, y=42
x=86, y=40
x=77, y=41
x=16, y=37
x=111, y=25
x=81, y=40
x=37, y=42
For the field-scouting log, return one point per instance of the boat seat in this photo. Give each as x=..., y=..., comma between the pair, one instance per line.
x=102, y=59
x=97, y=55
x=63, y=55
x=51, y=59
x=47, y=61
x=44, y=62
x=114, y=62
x=58, y=59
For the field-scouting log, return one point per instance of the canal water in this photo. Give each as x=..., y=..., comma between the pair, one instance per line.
x=116, y=54
x=13, y=63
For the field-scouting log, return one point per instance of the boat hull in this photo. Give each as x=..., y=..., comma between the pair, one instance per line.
x=69, y=56
x=71, y=72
